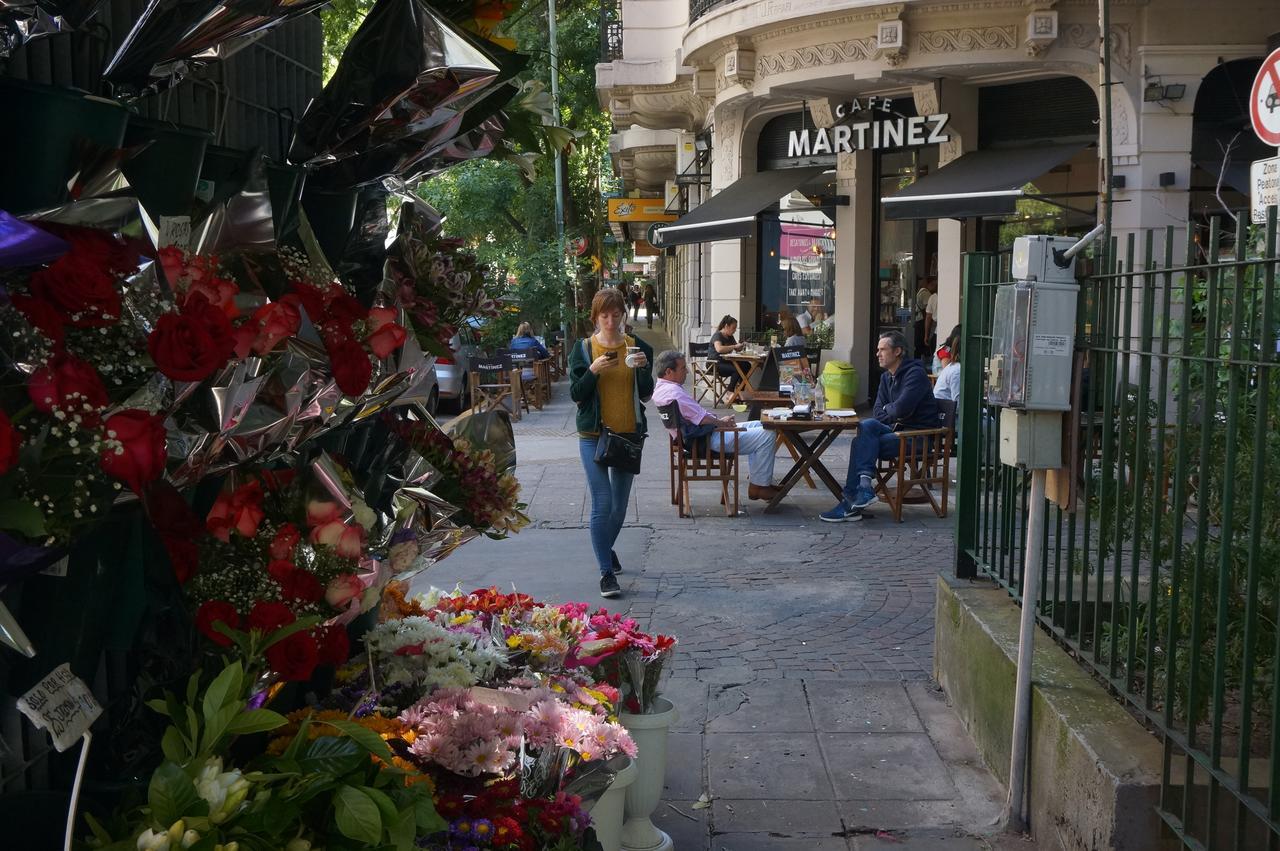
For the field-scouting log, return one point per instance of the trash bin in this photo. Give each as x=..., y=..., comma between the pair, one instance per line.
x=841, y=382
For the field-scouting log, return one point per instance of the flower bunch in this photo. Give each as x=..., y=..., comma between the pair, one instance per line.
x=350, y=333
x=500, y=818
x=439, y=284
x=487, y=500
x=68, y=443
x=420, y=651
x=259, y=566
x=628, y=658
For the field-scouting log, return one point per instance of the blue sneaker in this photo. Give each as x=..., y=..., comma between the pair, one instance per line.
x=843, y=512
x=862, y=497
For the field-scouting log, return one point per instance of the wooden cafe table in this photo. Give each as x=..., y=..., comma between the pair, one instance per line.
x=746, y=365
x=808, y=450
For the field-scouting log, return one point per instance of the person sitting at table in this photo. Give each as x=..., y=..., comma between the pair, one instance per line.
x=904, y=401
x=524, y=341
x=723, y=343
x=947, y=385
x=791, y=330
x=700, y=424
x=812, y=315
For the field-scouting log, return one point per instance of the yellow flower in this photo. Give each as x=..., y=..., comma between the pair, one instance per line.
x=513, y=641
x=464, y=618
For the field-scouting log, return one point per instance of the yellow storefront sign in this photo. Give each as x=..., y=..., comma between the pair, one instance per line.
x=639, y=210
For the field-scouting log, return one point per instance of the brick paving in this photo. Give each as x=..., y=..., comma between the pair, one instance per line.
x=808, y=716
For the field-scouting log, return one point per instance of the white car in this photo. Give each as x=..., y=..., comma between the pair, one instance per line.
x=452, y=370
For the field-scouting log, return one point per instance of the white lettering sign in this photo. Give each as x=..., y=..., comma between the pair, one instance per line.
x=1264, y=187
x=62, y=704
x=869, y=135
x=1052, y=345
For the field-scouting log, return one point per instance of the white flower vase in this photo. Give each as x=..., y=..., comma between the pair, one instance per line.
x=649, y=732
x=606, y=815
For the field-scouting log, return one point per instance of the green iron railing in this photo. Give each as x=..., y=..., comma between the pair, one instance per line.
x=1161, y=569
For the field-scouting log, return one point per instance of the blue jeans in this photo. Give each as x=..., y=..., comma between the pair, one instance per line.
x=610, y=490
x=874, y=440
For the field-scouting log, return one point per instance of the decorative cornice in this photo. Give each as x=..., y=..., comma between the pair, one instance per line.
x=830, y=53
x=966, y=39
x=1085, y=37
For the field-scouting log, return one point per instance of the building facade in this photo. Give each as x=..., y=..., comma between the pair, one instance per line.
x=861, y=148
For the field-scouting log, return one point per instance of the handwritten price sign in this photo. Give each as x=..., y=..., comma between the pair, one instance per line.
x=62, y=704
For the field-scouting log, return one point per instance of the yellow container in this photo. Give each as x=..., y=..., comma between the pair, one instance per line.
x=840, y=381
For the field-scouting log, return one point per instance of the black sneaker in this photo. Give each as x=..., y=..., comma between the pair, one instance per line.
x=617, y=565
x=609, y=586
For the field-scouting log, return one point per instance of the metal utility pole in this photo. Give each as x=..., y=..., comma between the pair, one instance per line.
x=1108, y=176
x=555, y=109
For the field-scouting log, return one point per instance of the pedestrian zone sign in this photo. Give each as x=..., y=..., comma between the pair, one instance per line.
x=1264, y=100
x=1264, y=187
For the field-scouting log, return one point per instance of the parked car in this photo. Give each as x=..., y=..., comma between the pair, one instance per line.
x=452, y=371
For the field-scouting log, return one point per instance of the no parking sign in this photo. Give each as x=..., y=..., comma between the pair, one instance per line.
x=1264, y=100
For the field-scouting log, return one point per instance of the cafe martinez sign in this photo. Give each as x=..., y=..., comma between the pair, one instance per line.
x=847, y=136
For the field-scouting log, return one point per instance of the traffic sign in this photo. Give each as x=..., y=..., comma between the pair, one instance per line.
x=578, y=246
x=1264, y=100
x=595, y=264
x=1264, y=187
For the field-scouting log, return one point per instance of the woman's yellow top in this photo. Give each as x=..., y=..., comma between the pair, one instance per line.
x=615, y=388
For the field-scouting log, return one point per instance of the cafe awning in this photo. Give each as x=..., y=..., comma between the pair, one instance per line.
x=981, y=183
x=732, y=213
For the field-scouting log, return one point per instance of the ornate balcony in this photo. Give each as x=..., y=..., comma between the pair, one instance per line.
x=610, y=30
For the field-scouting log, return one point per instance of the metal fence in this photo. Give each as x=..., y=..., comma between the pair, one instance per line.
x=1161, y=565
x=611, y=31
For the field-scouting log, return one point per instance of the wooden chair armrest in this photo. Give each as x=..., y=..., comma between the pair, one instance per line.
x=922, y=432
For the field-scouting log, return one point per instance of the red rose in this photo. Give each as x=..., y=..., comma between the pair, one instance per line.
x=272, y=323
x=334, y=647
x=280, y=569
x=183, y=555
x=351, y=366
x=135, y=450
x=216, y=611
x=301, y=585
x=173, y=261
x=218, y=291
x=42, y=315
x=285, y=540
x=386, y=339
x=268, y=616
x=81, y=287
x=295, y=657
x=69, y=384
x=240, y=510
x=190, y=345
x=10, y=440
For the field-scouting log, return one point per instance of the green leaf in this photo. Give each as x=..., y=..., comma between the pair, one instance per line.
x=289, y=629
x=171, y=794
x=428, y=820
x=332, y=755
x=193, y=688
x=403, y=831
x=193, y=727
x=174, y=745
x=357, y=815
x=22, y=517
x=367, y=739
x=217, y=726
x=224, y=688
x=384, y=802
x=159, y=706
x=256, y=721
x=299, y=740
x=99, y=832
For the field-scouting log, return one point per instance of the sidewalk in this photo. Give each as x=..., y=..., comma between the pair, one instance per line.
x=802, y=676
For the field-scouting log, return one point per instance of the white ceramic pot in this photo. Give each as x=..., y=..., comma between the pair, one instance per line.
x=606, y=815
x=650, y=735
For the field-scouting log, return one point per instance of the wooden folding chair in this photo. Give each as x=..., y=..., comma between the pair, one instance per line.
x=494, y=384
x=531, y=390
x=924, y=461
x=700, y=462
x=706, y=374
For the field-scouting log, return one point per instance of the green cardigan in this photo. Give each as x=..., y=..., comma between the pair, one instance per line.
x=582, y=386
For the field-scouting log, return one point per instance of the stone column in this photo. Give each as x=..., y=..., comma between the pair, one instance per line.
x=854, y=178
x=722, y=261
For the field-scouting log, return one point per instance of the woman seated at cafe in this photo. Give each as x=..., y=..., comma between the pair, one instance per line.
x=723, y=343
x=791, y=330
x=524, y=341
x=948, y=384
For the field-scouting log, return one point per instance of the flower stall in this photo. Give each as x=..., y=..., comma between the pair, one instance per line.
x=220, y=472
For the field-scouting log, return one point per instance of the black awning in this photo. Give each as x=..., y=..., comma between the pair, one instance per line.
x=732, y=213
x=981, y=183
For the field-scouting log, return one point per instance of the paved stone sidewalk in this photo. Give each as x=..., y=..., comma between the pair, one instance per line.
x=802, y=676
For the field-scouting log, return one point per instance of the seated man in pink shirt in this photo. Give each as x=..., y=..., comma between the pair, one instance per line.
x=755, y=442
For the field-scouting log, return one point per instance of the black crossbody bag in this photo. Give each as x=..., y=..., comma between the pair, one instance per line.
x=619, y=451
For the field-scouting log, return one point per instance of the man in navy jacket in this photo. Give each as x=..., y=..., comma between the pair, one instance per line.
x=904, y=401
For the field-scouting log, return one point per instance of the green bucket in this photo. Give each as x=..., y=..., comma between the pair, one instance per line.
x=165, y=173
x=840, y=381
x=332, y=214
x=44, y=127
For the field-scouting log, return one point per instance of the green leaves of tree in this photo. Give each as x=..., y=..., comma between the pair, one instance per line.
x=172, y=795
x=357, y=815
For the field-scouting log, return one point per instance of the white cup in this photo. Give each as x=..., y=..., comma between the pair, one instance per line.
x=633, y=356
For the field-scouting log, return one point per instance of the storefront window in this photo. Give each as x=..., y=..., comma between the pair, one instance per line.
x=906, y=252
x=798, y=262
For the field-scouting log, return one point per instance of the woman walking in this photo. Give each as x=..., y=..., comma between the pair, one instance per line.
x=608, y=386
x=650, y=303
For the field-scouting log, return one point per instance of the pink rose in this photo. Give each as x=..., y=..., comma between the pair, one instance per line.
x=347, y=540
x=343, y=590
x=320, y=512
